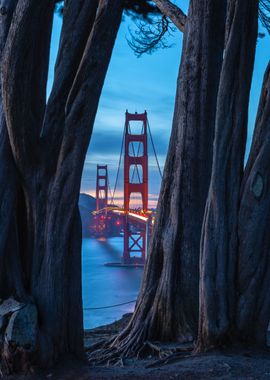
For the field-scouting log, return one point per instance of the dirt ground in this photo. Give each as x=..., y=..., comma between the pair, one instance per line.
x=238, y=364
x=225, y=366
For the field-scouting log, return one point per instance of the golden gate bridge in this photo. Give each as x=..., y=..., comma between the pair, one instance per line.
x=137, y=223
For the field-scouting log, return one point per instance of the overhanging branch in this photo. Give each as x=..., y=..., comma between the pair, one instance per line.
x=173, y=12
x=150, y=36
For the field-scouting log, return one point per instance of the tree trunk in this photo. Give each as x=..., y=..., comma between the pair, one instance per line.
x=219, y=242
x=253, y=308
x=8, y=188
x=78, y=20
x=49, y=144
x=65, y=186
x=167, y=306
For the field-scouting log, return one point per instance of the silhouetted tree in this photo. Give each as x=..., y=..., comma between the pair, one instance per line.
x=253, y=304
x=40, y=238
x=42, y=150
x=43, y=146
x=219, y=240
x=167, y=307
x=212, y=216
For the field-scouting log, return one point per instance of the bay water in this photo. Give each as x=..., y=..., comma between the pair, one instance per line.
x=106, y=286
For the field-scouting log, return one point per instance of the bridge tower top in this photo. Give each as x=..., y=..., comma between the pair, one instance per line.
x=136, y=156
x=102, y=187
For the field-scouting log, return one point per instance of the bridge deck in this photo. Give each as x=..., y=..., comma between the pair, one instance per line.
x=138, y=217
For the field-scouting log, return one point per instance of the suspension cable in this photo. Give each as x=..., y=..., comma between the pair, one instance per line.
x=154, y=149
x=136, y=166
x=110, y=191
x=118, y=169
x=108, y=307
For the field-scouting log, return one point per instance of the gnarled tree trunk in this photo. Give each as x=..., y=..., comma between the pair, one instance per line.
x=219, y=243
x=49, y=143
x=167, y=306
x=253, y=307
x=9, y=259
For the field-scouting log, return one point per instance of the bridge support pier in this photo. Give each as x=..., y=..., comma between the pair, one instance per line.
x=134, y=245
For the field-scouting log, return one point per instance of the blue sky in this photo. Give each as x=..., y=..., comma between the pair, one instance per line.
x=138, y=84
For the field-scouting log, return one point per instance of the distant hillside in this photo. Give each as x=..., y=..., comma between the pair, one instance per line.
x=87, y=204
x=87, y=201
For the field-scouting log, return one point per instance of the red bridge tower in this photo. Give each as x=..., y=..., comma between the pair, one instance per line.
x=135, y=241
x=101, y=200
x=102, y=187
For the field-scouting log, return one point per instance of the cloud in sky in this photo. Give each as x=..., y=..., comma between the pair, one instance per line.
x=133, y=84
x=138, y=84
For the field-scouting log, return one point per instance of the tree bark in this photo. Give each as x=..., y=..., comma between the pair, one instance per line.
x=253, y=307
x=49, y=144
x=65, y=185
x=167, y=306
x=219, y=241
x=8, y=187
x=173, y=12
x=78, y=20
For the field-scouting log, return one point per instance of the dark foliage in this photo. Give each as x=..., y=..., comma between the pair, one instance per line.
x=152, y=33
x=143, y=8
x=264, y=14
x=150, y=36
x=59, y=6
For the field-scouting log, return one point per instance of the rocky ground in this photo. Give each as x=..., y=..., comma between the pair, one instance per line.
x=237, y=364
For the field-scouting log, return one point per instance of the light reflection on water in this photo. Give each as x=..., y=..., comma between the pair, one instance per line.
x=105, y=286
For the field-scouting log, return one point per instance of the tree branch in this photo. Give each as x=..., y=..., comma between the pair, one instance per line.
x=24, y=78
x=78, y=20
x=174, y=13
x=150, y=36
x=88, y=83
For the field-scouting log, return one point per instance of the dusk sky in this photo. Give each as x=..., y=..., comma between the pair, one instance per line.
x=138, y=84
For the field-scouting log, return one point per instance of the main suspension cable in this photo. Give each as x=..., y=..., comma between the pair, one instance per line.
x=110, y=191
x=154, y=149
x=119, y=165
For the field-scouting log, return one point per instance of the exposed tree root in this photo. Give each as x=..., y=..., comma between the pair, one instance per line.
x=107, y=353
x=170, y=359
x=96, y=346
x=15, y=359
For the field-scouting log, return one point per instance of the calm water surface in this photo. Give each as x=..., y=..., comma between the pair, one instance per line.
x=105, y=286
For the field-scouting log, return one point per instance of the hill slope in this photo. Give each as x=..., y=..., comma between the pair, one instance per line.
x=87, y=204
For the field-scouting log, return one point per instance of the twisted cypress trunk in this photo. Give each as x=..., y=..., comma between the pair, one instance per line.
x=219, y=242
x=49, y=144
x=8, y=189
x=253, y=306
x=167, y=306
